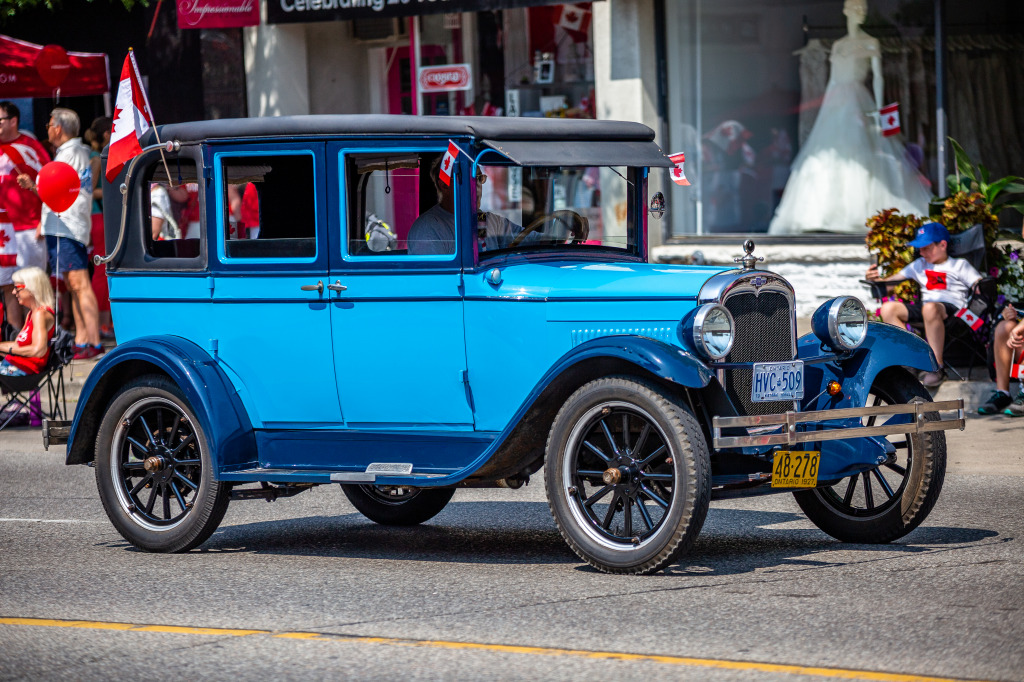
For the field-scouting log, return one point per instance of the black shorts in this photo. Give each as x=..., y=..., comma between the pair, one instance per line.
x=914, y=311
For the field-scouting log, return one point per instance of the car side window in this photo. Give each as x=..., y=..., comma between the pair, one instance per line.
x=171, y=209
x=395, y=208
x=268, y=206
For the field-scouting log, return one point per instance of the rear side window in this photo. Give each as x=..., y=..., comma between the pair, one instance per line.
x=172, y=213
x=269, y=206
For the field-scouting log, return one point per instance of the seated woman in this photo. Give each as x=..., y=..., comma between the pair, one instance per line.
x=29, y=351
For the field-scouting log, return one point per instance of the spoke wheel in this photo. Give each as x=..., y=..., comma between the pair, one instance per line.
x=627, y=476
x=892, y=499
x=395, y=505
x=153, y=469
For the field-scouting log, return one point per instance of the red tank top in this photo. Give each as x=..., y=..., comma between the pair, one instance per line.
x=24, y=338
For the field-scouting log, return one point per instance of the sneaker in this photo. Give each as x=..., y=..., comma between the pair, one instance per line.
x=86, y=352
x=996, y=403
x=933, y=379
x=107, y=332
x=1016, y=408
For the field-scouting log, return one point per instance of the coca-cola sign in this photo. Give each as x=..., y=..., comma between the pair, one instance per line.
x=445, y=78
x=218, y=13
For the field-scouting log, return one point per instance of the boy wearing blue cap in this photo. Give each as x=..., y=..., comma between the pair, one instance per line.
x=945, y=287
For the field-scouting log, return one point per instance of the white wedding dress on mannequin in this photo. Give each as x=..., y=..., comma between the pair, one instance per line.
x=847, y=170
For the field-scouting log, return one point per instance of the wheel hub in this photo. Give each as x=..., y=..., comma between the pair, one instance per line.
x=154, y=464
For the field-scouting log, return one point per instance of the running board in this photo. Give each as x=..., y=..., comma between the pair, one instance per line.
x=790, y=419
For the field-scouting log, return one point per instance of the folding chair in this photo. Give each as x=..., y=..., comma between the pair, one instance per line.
x=23, y=389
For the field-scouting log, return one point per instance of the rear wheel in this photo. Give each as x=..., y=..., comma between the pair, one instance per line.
x=891, y=500
x=154, y=471
x=396, y=505
x=627, y=475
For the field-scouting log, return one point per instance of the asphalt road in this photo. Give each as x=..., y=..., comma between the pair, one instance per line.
x=306, y=588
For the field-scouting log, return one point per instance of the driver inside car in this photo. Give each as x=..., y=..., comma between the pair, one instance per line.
x=434, y=231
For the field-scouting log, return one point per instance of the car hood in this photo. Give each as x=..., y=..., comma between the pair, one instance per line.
x=598, y=281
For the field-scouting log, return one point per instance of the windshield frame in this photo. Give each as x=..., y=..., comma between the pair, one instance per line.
x=636, y=179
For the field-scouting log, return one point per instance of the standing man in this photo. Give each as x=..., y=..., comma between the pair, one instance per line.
x=20, y=244
x=67, y=234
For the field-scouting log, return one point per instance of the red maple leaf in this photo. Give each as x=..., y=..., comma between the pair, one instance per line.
x=3, y=239
x=447, y=162
x=571, y=17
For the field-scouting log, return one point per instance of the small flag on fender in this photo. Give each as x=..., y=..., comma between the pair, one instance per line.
x=677, y=174
x=972, y=320
x=889, y=116
x=448, y=162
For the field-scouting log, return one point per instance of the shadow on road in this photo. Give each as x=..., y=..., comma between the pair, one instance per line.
x=732, y=542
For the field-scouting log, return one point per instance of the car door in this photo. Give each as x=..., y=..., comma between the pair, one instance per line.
x=268, y=232
x=396, y=317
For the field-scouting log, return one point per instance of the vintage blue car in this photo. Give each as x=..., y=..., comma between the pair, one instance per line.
x=408, y=305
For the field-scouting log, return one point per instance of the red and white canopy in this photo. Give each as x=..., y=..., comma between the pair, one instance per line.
x=30, y=70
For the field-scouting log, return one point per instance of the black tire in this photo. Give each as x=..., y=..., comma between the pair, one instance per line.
x=150, y=421
x=391, y=505
x=651, y=438
x=849, y=512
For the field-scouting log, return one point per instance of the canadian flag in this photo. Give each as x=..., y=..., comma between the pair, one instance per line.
x=574, y=18
x=1017, y=367
x=8, y=247
x=889, y=116
x=132, y=118
x=448, y=162
x=677, y=174
x=24, y=158
x=972, y=320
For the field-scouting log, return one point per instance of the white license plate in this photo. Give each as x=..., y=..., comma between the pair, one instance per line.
x=777, y=381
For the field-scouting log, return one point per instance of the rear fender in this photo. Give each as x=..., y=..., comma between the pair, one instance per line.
x=204, y=384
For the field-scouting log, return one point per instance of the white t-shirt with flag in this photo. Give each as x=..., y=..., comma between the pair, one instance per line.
x=947, y=282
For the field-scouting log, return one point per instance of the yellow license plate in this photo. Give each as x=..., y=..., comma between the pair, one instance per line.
x=795, y=469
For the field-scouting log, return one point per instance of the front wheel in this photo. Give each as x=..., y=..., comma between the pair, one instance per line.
x=154, y=471
x=395, y=505
x=627, y=475
x=886, y=503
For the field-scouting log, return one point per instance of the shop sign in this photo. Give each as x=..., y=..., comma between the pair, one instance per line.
x=447, y=78
x=218, y=13
x=293, y=11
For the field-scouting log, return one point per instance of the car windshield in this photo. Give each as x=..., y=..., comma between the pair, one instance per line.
x=555, y=208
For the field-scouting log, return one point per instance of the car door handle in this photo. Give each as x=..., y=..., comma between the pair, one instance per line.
x=337, y=286
x=318, y=287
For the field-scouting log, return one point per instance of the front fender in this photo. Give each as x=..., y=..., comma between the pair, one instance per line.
x=885, y=346
x=665, y=361
x=204, y=384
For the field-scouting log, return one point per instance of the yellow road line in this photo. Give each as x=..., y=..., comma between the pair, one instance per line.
x=812, y=671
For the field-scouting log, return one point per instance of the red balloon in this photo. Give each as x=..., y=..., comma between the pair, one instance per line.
x=58, y=185
x=53, y=65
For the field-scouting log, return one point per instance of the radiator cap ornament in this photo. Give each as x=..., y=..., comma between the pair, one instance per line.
x=749, y=260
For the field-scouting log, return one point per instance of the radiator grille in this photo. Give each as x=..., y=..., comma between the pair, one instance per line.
x=764, y=333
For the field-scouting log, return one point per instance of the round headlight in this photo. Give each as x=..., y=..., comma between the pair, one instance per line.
x=845, y=323
x=713, y=330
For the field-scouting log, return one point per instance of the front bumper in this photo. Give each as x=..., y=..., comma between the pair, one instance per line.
x=788, y=421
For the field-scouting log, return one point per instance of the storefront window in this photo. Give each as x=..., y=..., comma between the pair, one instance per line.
x=773, y=145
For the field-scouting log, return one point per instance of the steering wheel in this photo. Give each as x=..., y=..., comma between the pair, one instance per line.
x=576, y=225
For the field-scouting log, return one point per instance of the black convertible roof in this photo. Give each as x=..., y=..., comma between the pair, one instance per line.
x=480, y=127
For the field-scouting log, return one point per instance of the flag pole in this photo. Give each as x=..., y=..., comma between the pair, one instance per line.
x=149, y=110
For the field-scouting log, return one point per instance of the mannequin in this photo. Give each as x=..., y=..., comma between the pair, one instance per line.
x=846, y=171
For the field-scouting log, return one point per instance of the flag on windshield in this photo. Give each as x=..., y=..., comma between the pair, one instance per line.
x=677, y=174
x=448, y=162
x=132, y=118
